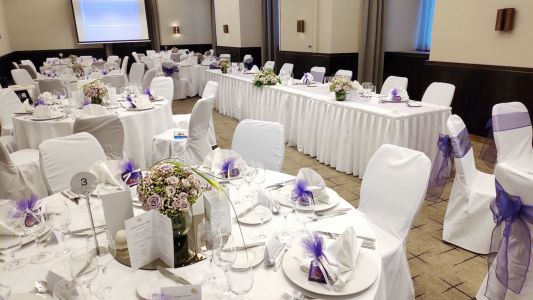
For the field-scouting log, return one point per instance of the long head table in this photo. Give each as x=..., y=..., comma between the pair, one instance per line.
x=343, y=134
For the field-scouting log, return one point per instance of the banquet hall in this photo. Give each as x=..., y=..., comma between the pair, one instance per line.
x=266, y=149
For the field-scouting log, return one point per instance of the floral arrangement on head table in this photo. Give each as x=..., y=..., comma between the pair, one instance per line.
x=266, y=77
x=341, y=85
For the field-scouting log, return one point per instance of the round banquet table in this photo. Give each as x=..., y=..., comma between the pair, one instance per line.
x=267, y=284
x=139, y=130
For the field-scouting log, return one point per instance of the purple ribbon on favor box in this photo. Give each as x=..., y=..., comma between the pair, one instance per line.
x=228, y=168
x=24, y=206
x=458, y=147
x=314, y=244
x=394, y=93
x=512, y=248
x=130, y=174
x=129, y=98
x=149, y=93
x=170, y=71
x=38, y=102
x=301, y=194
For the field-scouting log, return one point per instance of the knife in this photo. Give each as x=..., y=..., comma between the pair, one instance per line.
x=97, y=228
x=280, y=184
x=172, y=276
x=241, y=248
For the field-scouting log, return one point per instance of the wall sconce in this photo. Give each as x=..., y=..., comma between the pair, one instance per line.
x=504, y=19
x=225, y=28
x=300, y=26
x=176, y=29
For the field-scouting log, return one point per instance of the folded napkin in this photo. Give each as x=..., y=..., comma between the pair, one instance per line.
x=94, y=110
x=309, y=181
x=6, y=230
x=398, y=94
x=142, y=102
x=105, y=173
x=26, y=106
x=222, y=161
x=307, y=78
x=43, y=111
x=254, y=70
x=47, y=98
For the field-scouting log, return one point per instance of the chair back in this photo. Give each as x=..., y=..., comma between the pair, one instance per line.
x=137, y=73
x=260, y=141
x=118, y=81
x=21, y=76
x=287, y=67
x=345, y=73
x=394, y=187
x=15, y=65
x=151, y=53
x=29, y=63
x=30, y=70
x=164, y=87
x=246, y=57
x=210, y=89
x=147, y=79
x=61, y=158
x=108, y=131
x=511, y=125
x=225, y=56
x=393, y=82
x=269, y=65
x=465, y=167
x=318, y=73
x=9, y=103
x=52, y=84
x=12, y=185
x=439, y=93
x=124, y=68
x=135, y=57
x=197, y=141
x=112, y=58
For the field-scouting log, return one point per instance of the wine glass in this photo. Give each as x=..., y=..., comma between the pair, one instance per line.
x=225, y=253
x=284, y=210
x=83, y=267
x=68, y=290
x=104, y=256
x=9, y=248
x=241, y=280
x=248, y=174
x=260, y=173
x=59, y=219
x=367, y=86
x=34, y=225
x=304, y=209
x=205, y=240
x=261, y=212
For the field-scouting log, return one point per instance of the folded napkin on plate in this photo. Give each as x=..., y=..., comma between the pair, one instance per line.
x=307, y=78
x=43, y=111
x=142, y=102
x=26, y=106
x=222, y=161
x=309, y=181
x=94, y=110
x=254, y=70
x=6, y=230
x=105, y=173
x=398, y=94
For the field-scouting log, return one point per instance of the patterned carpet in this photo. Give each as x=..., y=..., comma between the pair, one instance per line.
x=439, y=270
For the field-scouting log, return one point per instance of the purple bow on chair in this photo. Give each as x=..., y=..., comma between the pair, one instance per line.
x=512, y=248
x=170, y=71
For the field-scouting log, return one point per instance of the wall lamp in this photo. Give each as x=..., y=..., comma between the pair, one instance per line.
x=176, y=29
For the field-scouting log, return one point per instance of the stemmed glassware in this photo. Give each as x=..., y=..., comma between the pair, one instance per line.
x=59, y=218
x=34, y=224
x=68, y=290
x=248, y=173
x=284, y=210
x=9, y=248
x=367, y=87
x=241, y=280
x=104, y=256
x=205, y=242
x=224, y=256
x=304, y=210
x=83, y=267
x=261, y=211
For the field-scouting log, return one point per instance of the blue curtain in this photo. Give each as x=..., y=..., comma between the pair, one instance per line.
x=425, y=25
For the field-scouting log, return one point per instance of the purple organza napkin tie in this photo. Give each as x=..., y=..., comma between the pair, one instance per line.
x=170, y=71
x=458, y=147
x=512, y=248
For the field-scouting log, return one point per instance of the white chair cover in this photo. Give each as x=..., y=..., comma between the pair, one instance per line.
x=439, y=93
x=468, y=221
x=147, y=79
x=9, y=142
x=393, y=189
x=29, y=63
x=164, y=87
x=247, y=56
x=287, y=67
x=514, y=145
x=269, y=65
x=137, y=73
x=225, y=56
x=135, y=57
x=181, y=85
x=346, y=73
x=318, y=73
x=15, y=65
x=30, y=70
x=21, y=76
x=118, y=81
x=260, y=141
x=20, y=174
x=148, y=61
x=517, y=183
x=108, y=131
x=86, y=58
x=151, y=53
x=62, y=158
x=393, y=82
x=112, y=58
x=195, y=147
x=52, y=84
x=124, y=68
x=9, y=104
x=182, y=120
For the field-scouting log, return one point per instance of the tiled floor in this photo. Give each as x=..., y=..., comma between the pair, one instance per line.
x=439, y=270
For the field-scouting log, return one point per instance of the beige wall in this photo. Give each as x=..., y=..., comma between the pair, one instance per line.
x=463, y=32
x=244, y=20
x=41, y=25
x=250, y=15
x=331, y=26
x=192, y=16
x=401, y=25
x=5, y=45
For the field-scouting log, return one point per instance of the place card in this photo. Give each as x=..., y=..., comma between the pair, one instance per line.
x=272, y=250
x=117, y=209
x=149, y=237
x=217, y=211
x=184, y=292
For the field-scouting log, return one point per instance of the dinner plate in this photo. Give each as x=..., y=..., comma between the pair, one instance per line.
x=285, y=193
x=364, y=274
x=158, y=99
x=34, y=118
x=256, y=255
x=251, y=218
x=8, y=240
x=414, y=104
x=153, y=285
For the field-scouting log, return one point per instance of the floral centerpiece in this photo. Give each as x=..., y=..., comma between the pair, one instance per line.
x=172, y=188
x=341, y=86
x=95, y=91
x=266, y=77
x=224, y=65
x=73, y=59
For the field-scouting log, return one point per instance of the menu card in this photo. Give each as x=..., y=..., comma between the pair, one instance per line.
x=217, y=211
x=149, y=237
x=117, y=208
x=185, y=292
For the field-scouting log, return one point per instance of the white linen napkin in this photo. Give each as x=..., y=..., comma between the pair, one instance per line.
x=47, y=97
x=398, y=92
x=215, y=159
x=104, y=174
x=26, y=106
x=6, y=230
x=307, y=78
x=94, y=110
x=316, y=184
x=43, y=111
x=343, y=255
x=142, y=102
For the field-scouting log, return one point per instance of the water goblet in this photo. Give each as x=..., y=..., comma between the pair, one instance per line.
x=225, y=254
x=104, y=256
x=59, y=218
x=261, y=211
x=205, y=242
x=304, y=210
x=10, y=248
x=83, y=267
x=241, y=280
x=34, y=224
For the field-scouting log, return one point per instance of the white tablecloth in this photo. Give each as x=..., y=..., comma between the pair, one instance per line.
x=343, y=135
x=196, y=75
x=267, y=284
x=139, y=130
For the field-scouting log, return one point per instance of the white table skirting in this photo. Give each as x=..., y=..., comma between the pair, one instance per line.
x=267, y=284
x=139, y=130
x=343, y=135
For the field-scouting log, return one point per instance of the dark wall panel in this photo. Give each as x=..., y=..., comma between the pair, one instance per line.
x=192, y=47
x=304, y=61
x=237, y=54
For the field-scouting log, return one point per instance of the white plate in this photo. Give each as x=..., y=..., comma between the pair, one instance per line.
x=159, y=99
x=153, y=285
x=251, y=218
x=25, y=296
x=285, y=193
x=11, y=240
x=140, y=109
x=256, y=255
x=34, y=118
x=219, y=177
x=365, y=273
x=414, y=104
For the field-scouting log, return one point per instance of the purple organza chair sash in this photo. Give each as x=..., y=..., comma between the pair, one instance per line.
x=511, y=246
x=498, y=123
x=458, y=147
x=249, y=63
x=170, y=71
